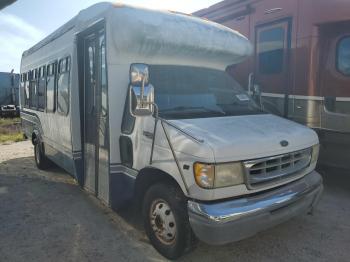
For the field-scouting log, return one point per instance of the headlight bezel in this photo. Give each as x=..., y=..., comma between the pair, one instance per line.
x=214, y=175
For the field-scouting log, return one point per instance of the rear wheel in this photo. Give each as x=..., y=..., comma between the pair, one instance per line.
x=42, y=162
x=166, y=220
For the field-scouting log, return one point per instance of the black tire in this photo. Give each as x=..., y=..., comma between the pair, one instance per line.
x=179, y=240
x=41, y=161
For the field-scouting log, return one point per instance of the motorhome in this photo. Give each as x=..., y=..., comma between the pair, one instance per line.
x=137, y=104
x=301, y=64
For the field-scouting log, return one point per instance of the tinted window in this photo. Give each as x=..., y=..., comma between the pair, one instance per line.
x=128, y=122
x=103, y=78
x=50, y=87
x=90, y=77
x=33, y=90
x=41, y=88
x=271, y=50
x=343, y=56
x=26, y=89
x=63, y=86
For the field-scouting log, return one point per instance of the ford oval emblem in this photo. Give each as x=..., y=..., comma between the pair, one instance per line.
x=284, y=143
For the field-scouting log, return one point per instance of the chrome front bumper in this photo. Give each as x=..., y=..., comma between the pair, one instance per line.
x=224, y=222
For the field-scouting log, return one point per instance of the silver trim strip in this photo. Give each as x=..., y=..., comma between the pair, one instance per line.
x=273, y=95
x=117, y=168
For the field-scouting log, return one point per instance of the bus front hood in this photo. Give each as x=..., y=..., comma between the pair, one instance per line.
x=247, y=137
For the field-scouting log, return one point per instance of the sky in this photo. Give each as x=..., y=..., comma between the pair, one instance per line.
x=26, y=22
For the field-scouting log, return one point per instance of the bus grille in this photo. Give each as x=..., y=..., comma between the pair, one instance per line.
x=261, y=172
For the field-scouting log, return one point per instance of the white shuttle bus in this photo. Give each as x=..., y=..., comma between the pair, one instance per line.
x=137, y=104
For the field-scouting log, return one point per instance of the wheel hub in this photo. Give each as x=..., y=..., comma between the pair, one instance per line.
x=163, y=221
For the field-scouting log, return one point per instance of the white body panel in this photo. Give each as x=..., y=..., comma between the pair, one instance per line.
x=239, y=138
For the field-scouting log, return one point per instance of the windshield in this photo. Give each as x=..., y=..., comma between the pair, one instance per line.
x=183, y=92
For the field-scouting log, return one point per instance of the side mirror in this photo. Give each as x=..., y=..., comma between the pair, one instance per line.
x=141, y=92
x=141, y=101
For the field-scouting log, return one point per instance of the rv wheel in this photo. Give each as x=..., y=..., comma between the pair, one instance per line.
x=166, y=220
x=42, y=162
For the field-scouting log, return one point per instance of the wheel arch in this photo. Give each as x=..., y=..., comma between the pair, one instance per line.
x=149, y=176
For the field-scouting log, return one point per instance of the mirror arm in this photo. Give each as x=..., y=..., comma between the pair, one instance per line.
x=154, y=131
x=174, y=155
x=162, y=120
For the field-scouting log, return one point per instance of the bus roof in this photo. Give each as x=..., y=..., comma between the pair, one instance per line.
x=145, y=33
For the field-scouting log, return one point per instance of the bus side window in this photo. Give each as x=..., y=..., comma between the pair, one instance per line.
x=50, y=87
x=26, y=90
x=41, y=88
x=33, y=90
x=63, y=86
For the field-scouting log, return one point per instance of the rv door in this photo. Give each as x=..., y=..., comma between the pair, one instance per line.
x=335, y=76
x=272, y=47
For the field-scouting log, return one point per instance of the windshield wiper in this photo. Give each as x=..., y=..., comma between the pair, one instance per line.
x=181, y=109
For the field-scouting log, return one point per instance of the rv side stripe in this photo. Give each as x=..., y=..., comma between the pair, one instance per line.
x=317, y=98
x=273, y=95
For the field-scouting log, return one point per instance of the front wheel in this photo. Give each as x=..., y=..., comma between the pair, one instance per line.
x=166, y=220
x=41, y=161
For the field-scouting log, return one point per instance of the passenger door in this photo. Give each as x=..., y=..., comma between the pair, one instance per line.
x=272, y=48
x=95, y=111
x=335, y=76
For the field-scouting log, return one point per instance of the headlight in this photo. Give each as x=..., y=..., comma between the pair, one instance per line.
x=228, y=175
x=315, y=154
x=220, y=175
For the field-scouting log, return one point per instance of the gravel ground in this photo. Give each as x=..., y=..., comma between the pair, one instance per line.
x=45, y=216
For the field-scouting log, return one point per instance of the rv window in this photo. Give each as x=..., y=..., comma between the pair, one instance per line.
x=343, y=56
x=63, y=86
x=41, y=88
x=50, y=87
x=271, y=50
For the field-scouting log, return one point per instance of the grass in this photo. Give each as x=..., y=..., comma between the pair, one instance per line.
x=16, y=137
x=10, y=130
x=9, y=121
